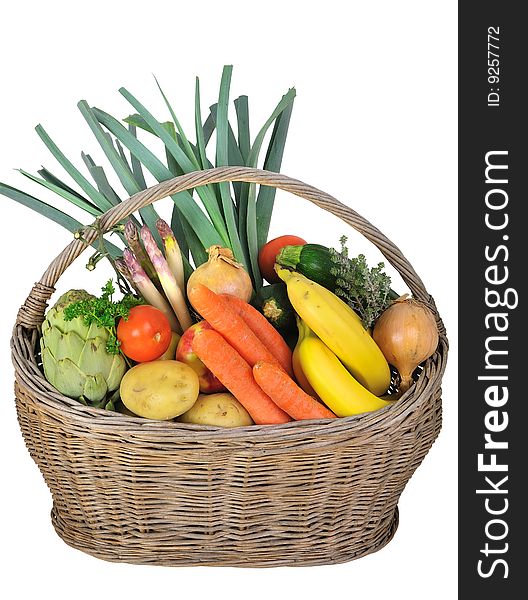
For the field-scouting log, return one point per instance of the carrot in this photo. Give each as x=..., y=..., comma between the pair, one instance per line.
x=263, y=329
x=287, y=394
x=234, y=372
x=233, y=328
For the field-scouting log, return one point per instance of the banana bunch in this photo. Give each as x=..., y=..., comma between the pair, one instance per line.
x=335, y=356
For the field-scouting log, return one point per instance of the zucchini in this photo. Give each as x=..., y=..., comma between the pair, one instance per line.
x=311, y=260
x=315, y=262
x=274, y=304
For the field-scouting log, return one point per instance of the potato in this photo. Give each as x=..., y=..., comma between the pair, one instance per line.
x=222, y=410
x=170, y=353
x=159, y=389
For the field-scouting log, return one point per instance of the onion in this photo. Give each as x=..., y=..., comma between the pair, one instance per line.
x=223, y=275
x=407, y=334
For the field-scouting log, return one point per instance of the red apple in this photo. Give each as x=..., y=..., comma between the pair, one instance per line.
x=209, y=384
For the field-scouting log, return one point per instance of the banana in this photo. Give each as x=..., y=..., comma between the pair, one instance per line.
x=333, y=383
x=340, y=328
x=301, y=378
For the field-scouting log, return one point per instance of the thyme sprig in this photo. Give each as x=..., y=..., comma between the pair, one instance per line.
x=366, y=290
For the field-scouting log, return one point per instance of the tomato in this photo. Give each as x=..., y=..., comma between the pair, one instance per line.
x=268, y=254
x=145, y=335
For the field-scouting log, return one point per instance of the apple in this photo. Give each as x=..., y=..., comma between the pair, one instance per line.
x=209, y=384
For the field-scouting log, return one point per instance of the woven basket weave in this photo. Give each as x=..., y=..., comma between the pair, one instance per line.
x=166, y=493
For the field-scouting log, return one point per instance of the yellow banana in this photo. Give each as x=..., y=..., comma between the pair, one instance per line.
x=302, y=380
x=333, y=383
x=340, y=328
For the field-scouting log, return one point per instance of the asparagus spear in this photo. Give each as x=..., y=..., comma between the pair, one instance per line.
x=167, y=279
x=148, y=290
x=172, y=252
x=134, y=243
x=124, y=271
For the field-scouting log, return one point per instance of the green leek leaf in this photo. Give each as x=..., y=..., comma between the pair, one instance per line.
x=244, y=139
x=273, y=161
x=185, y=142
x=94, y=194
x=181, y=157
x=123, y=156
x=286, y=100
x=138, y=121
x=190, y=210
x=244, y=145
x=172, y=163
x=52, y=213
x=187, y=165
x=251, y=209
x=99, y=176
x=123, y=171
x=210, y=124
x=120, y=166
x=48, y=176
x=222, y=159
x=89, y=208
x=136, y=165
x=200, y=138
x=179, y=234
x=196, y=248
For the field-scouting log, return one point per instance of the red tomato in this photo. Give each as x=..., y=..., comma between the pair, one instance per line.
x=268, y=254
x=145, y=335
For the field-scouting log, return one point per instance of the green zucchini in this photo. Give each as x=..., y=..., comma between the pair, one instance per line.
x=315, y=262
x=311, y=260
x=273, y=302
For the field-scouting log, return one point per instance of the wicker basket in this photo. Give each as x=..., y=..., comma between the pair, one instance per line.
x=165, y=493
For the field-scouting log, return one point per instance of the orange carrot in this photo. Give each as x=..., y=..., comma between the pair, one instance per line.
x=233, y=328
x=234, y=372
x=287, y=394
x=263, y=329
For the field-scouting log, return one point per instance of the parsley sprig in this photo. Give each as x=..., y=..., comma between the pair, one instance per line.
x=366, y=290
x=104, y=312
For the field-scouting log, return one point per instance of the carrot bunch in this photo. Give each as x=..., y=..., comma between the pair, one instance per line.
x=251, y=359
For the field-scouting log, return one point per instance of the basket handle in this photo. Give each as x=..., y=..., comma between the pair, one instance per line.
x=31, y=314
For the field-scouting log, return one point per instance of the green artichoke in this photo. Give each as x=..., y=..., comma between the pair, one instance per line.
x=74, y=354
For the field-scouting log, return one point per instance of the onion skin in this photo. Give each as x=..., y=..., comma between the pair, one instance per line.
x=407, y=334
x=223, y=275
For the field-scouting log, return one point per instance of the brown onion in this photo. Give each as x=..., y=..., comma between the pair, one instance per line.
x=222, y=274
x=407, y=334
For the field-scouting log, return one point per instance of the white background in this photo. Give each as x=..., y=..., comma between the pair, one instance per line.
x=374, y=124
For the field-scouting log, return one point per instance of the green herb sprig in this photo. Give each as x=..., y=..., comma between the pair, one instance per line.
x=366, y=290
x=104, y=312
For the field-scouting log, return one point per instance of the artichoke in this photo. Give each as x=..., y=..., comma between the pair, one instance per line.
x=74, y=354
